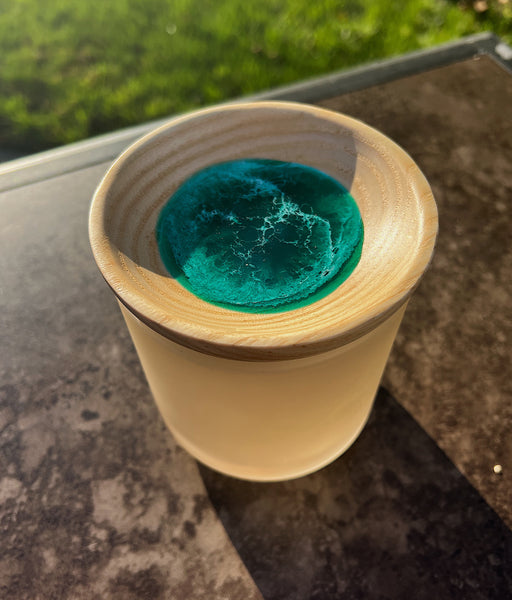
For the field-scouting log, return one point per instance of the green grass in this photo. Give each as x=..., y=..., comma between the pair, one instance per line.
x=70, y=69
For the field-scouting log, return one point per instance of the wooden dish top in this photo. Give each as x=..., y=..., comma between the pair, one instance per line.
x=393, y=196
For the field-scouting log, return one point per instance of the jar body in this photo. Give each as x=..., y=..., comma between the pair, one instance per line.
x=264, y=421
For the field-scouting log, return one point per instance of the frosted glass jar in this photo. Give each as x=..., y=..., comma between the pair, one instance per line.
x=268, y=420
x=265, y=396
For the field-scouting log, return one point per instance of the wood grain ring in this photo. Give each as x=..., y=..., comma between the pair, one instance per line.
x=395, y=200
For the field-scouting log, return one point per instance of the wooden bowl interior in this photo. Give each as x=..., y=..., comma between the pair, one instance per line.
x=396, y=204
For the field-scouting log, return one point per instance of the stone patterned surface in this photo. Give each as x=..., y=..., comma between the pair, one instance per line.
x=96, y=499
x=451, y=363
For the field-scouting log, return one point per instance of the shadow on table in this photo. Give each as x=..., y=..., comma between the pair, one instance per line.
x=392, y=518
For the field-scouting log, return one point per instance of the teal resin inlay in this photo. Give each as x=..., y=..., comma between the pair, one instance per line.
x=260, y=235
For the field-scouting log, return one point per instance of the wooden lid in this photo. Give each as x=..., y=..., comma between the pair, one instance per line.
x=395, y=200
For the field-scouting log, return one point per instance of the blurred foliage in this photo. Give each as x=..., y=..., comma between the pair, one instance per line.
x=71, y=69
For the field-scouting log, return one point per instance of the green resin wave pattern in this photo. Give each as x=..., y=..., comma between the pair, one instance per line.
x=259, y=235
